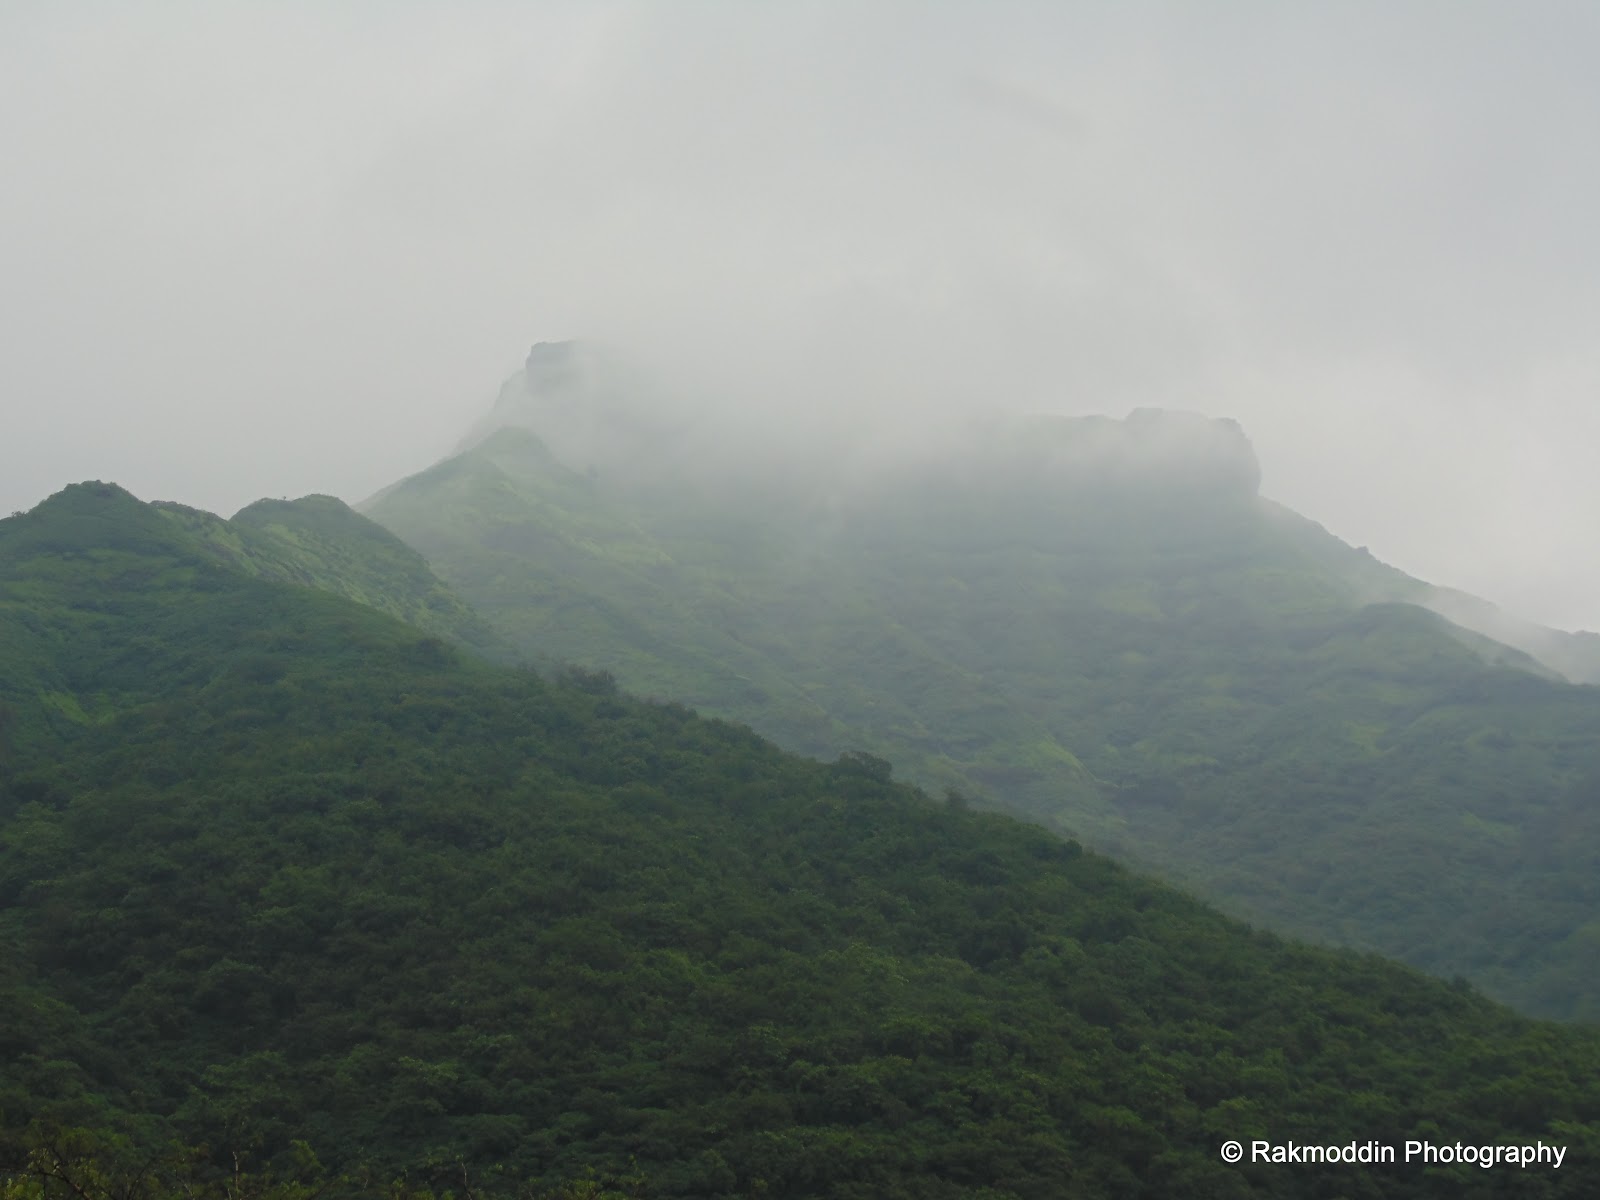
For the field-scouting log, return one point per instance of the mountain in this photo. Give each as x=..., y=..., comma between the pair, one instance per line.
x=321, y=542
x=1575, y=656
x=1100, y=624
x=91, y=565
x=1552, y=653
x=309, y=874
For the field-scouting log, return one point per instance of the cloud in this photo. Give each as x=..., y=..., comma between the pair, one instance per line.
x=272, y=249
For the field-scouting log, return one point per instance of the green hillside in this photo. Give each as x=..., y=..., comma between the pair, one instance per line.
x=321, y=542
x=277, y=867
x=1099, y=624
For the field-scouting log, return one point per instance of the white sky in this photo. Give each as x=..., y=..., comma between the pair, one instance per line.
x=266, y=249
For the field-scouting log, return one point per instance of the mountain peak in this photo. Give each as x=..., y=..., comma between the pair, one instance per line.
x=553, y=363
x=586, y=402
x=93, y=515
x=90, y=494
x=1157, y=450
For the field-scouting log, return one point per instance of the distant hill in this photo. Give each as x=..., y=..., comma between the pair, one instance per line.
x=137, y=554
x=277, y=868
x=321, y=542
x=1576, y=656
x=1097, y=623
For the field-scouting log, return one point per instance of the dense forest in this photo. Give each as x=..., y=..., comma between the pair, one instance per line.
x=1098, y=624
x=286, y=879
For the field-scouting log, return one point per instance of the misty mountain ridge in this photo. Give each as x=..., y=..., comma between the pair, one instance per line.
x=299, y=872
x=597, y=409
x=585, y=404
x=1099, y=623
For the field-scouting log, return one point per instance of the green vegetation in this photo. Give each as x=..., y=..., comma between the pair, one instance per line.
x=1099, y=625
x=320, y=542
x=290, y=871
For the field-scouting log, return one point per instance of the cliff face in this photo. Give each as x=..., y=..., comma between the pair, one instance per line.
x=551, y=380
x=1152, y=451
x=552, y=366
x=593, y=410
x=588, y=406
x=1096, y=621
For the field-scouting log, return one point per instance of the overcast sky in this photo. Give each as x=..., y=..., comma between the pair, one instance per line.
x=268, y=249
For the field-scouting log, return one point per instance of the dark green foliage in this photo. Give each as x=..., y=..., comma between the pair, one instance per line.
x=86, y=1164
x=309, y=875
x=1100, y=626
x=320, y=542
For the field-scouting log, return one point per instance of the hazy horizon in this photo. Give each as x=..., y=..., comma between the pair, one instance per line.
x=268, y=251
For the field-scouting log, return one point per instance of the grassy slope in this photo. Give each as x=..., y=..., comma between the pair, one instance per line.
x=727, y=610
x=320, y=542
x=1162, y=662
x=311, y=874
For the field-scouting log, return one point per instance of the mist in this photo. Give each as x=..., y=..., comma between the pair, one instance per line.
x=252, y=251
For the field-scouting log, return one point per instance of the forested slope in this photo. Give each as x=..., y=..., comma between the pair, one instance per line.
x=305, y=872
x=1099, y=624
x=321, y=542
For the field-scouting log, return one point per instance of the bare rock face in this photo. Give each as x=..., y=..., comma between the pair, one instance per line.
x=1153, y=455
x=555, y=378
x=581, y=401
x=1163, y=449
x=594, y=409
x=552, y=366
x=1216, y=447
